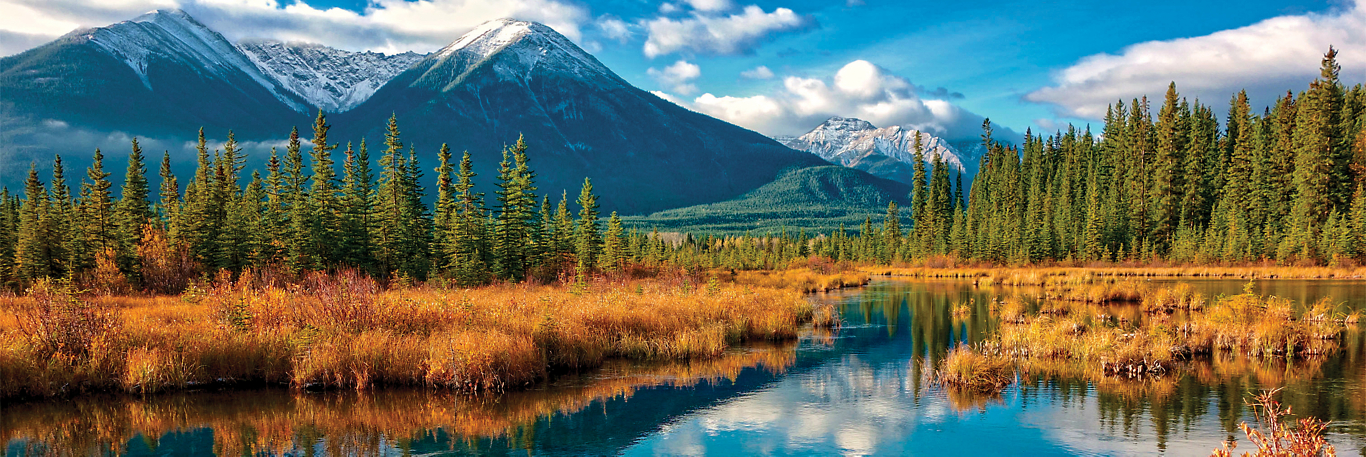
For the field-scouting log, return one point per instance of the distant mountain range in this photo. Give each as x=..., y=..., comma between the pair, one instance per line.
x=164, y=75
x=887, y=152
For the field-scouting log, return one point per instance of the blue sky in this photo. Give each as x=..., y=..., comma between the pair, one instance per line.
x=1023, y=64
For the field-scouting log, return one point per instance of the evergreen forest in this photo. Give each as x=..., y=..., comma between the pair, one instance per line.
x=1171, y=183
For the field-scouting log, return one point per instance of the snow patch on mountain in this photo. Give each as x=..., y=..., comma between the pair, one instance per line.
x=175, y=36
x=849, y=141
x=519, y=48
x=331, y=79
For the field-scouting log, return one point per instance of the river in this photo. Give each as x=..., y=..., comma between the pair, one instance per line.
x=864, y=389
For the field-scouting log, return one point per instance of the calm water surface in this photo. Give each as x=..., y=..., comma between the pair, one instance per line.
x=861, y=390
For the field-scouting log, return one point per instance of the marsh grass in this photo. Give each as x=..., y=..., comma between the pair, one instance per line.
x=344, y=331
x=1038, y=276
x=803, y=279
x=966, y=369
x=281, y=422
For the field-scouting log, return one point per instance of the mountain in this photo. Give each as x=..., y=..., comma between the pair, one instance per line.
x=508, y=78
x=163, y=73
x=818, y=198
x=327, y=78
x=885, y=152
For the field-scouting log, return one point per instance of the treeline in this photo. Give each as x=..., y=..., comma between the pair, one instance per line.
x=301, y=216
x=1284, y=185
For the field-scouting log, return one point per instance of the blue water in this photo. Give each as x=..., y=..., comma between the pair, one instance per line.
x=863, y=390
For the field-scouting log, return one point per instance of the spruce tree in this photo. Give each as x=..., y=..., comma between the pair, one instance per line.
x=33, y=248
x=134, y=210
x=298, y=239
x=324, y=206
x=613, y=246
x=443, y=217
x=1316, y=149
x=587, y=239
x=357, y=188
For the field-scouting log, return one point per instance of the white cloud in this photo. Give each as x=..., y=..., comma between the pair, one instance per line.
x=677, y=77
x=709, y=5
x=614, y=28
x=1267, y=58
x=759, y=72
x=385, y=25
x=859, y=89
x=729, y=34
x=669, y=8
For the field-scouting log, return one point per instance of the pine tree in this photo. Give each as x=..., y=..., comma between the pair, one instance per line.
x=1166, y=190
x=97, y=206
x=355, y=244
x=169, y=206
x=444, y=216
x=587, y=239
x=465, y=248
x=891, y=229
x=276, y=212
x=516, y=213
x=66, y=229
x=613, y=249
x=324, y=206
x=134, y=210
x=33, y=248
x=1316, y=148
x=298, y=241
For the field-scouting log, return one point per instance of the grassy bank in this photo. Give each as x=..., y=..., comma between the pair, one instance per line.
x=356, y=423
x=1070, y=330
x=343, y=331
x=1038, y=276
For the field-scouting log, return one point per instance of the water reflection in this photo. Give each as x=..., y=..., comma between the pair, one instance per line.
x=861, y=390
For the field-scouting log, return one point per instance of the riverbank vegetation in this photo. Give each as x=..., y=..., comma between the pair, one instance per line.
x=1045, y=328
x=356, y=423
x=344, y=331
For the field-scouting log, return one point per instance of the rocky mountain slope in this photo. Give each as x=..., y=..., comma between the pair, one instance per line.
x=508, y=78
x=331, y=79
x=886, y=152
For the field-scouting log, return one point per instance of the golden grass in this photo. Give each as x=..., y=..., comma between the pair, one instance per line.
x=1082, y=340
x=1041, y=275
x=802, y=279
x=343, y=332
x=966, y=369
x=278, y=421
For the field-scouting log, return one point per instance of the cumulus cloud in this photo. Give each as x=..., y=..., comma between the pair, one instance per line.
x=614, y=28
x=704, y=33
x=677, y=77
x=1267, y=58
x=759, y=72
x=384, y=25
x=859, y=89
x=709, y=5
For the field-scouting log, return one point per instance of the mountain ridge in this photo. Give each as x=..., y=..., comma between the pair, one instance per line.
x=886, y=152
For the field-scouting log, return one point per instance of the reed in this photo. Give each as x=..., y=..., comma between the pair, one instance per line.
x=1279, y=437
x=343, y=331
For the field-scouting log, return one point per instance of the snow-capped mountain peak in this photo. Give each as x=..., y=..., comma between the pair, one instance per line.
x=530, y=44
x=331, y=79
x=887, y=151
x=173, y=35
